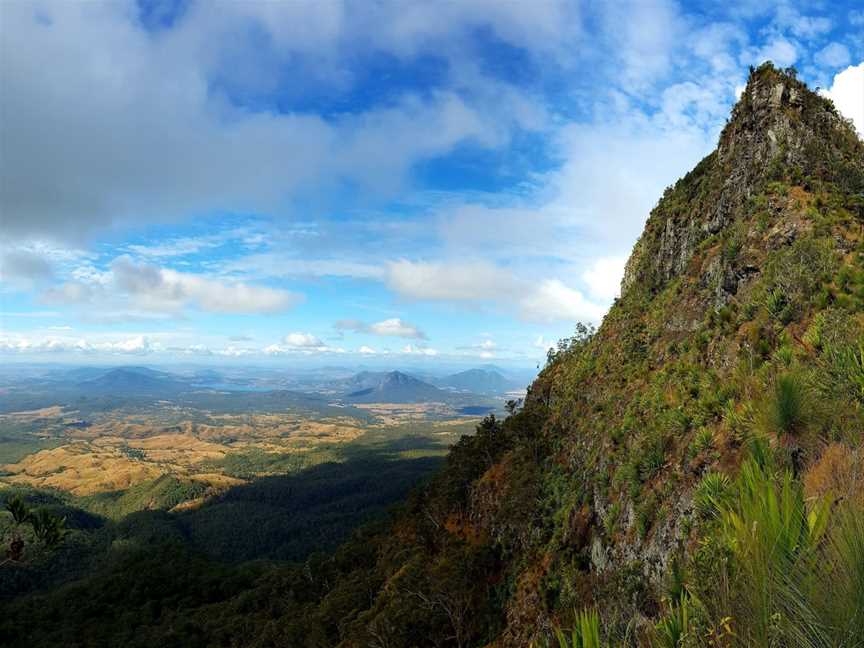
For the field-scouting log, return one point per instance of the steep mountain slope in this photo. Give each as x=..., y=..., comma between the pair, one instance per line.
x=693, y=470
x=748, y=267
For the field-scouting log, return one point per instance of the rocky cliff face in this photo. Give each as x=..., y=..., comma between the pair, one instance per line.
x=778, y=125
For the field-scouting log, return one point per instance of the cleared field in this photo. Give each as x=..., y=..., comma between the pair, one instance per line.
x=81, y=469
x=119, y=451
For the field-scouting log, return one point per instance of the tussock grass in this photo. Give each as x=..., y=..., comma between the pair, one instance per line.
x=795, y=570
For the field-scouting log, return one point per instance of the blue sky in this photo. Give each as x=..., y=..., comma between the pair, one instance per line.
x=387, y=182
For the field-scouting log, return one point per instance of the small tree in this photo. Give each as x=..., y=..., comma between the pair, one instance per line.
x=48, y=528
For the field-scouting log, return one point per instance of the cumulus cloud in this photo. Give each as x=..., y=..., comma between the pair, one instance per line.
x=847, y=93
x=541, y=299
x=781, y=51
x=552, y=301
x=365, y=350
x=302, y=340
x=833, y=55
x=393, y=327
x=138, y=345
x=410, y=349
x=98, y=112
x=461, y=281
x=155, y=289
x=305, y=343
x=24, y=267
x=604, y=277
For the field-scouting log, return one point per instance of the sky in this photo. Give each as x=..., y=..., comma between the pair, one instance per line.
x=339, y=182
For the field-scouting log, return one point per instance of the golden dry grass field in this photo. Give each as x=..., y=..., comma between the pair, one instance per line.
x=118, y=450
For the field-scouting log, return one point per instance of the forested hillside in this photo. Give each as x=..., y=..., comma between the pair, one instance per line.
x=690, y=474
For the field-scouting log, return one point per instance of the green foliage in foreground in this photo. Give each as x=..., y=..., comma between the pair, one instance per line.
x=783, y=570
x=45, y=527
x=585, y=633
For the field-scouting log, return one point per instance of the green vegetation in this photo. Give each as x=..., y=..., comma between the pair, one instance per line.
x=693, y=470
x=46, y=529
x=585, y=634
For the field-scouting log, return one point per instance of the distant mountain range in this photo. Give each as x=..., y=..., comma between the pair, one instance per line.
x=364, y=387
x=478, y=381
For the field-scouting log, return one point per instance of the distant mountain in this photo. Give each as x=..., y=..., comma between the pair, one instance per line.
x=135, y=380
x=80, y=373
x=394, y=387
x=205, y=376
x=479, y=381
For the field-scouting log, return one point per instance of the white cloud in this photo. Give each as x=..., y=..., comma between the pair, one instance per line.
x=366, y=350
x=543, y=344
x=847, y=93
x=554, y=301
x=150, y=288
x=302, y=340
x=410, y=349
x=833, y=55
x=807, y=27
x=138, y=345
x=24, y=267
x=89, y=96
x=539, y=299
x=781, y=51
x=484, y=349
x=643, y=37
x=603, y=278
x=460, y=281
x=276, y=265
x=393, y=327
x=304, y=343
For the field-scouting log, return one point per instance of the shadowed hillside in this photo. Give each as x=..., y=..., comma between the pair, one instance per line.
x=691, y=471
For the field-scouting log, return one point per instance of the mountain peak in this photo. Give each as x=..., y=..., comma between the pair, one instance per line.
x=780, y=135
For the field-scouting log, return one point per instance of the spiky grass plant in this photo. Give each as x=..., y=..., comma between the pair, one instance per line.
x=838, y=595
x=845, y=371
x=711, y=494
x=787, y=409
x=704, y=440
x=674, y=628
x=774, y=542
x=585, y=634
